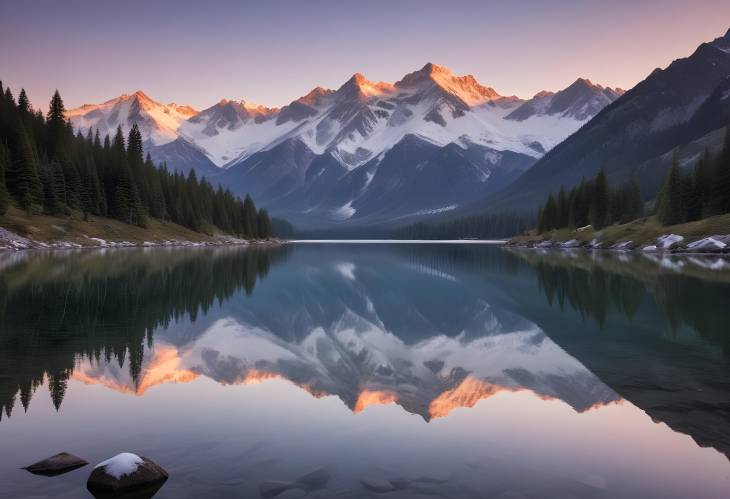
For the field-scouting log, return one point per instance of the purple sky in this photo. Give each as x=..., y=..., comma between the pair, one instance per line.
x=271, y=52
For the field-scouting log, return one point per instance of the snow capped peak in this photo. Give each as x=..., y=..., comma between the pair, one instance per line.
x=185, y=110
x=139, y=94
x=364, y=87
x=542, y=94
x=466, y=88
x=581, y=100
x=314, y=96
x=157, y=122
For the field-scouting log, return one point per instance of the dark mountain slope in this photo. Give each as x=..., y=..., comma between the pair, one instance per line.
x=671, y=107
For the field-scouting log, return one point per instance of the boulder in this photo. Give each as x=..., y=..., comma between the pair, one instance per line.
x=624, y=246
x=573, y=243
x=378, y=486
x=123, y=473
x=310, y=482
x=708, y=243
x=314, y=480
x=271, y=489
x=56, y=465
x=668, y=240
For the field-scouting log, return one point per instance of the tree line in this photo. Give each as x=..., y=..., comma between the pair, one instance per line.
x=701, y=192
x=47, y=168
x=484, y=226
x=592, y=202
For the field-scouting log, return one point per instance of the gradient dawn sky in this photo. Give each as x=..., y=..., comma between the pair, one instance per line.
x=272, y=52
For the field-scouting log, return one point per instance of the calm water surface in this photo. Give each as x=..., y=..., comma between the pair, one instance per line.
x=398, y=371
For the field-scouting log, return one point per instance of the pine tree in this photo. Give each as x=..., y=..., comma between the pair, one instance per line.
x=703, y=180
x=720, y=197
x=250, y=224
x=562, y=209
x=670, y=208
x=600, y=201
x=23, y=179
x=5, y=163
x=551, y=213
x=633, y=204
x=23, y=103
x=264, y=224
x=56, y=120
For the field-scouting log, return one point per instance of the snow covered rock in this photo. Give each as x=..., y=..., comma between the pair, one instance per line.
x=573, y=243
x=545, y=244
x=667, y=241
x=594, y=244
x=124, y=472
x=624, y=246
x=708, y=243
x=57, y=465
x=651, y=247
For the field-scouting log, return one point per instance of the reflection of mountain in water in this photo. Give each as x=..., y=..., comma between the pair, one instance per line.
x=428, y=328
x=55, y=308
x=370, y=329
x=655, y=331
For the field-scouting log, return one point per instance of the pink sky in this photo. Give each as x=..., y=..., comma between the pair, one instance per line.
x=273, y=52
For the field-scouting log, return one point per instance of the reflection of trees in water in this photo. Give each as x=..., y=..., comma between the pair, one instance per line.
x=701, y=305
x=594, y=288
x=106, y=307
x=598, y=287
x=592, y=293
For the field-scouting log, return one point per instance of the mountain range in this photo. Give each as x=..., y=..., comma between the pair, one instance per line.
x=433, y=143
x=365, y=153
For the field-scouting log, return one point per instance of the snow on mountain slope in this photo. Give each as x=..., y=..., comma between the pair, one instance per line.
x=157, y=122
x=581, y=100
x=362, y=119
x=367, y=152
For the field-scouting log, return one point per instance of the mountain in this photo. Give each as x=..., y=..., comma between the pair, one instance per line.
x=158, y=124
x=682, y=106
x=375, y=152
x=365, y=153
x=581, y=100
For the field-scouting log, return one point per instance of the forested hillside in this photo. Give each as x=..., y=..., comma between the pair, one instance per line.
x=701, y=192
x=46, y=168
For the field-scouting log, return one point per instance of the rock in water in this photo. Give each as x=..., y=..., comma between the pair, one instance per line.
x=56, y=465
x=124, y=473
x=314, y=480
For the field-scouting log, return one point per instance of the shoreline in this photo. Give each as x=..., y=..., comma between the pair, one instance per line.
x=572, y=245
x=11, y=242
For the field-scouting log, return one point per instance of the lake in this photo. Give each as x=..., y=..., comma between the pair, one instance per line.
x=395, y=371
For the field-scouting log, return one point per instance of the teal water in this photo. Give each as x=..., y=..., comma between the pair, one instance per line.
x=451, y=370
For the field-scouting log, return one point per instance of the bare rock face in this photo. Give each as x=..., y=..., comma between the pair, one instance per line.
x=56, y=465
x=126, y=473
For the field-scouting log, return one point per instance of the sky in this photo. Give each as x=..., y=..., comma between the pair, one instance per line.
x=271, y=52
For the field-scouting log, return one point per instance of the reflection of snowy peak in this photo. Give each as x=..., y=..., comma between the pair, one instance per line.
x=363, y=364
